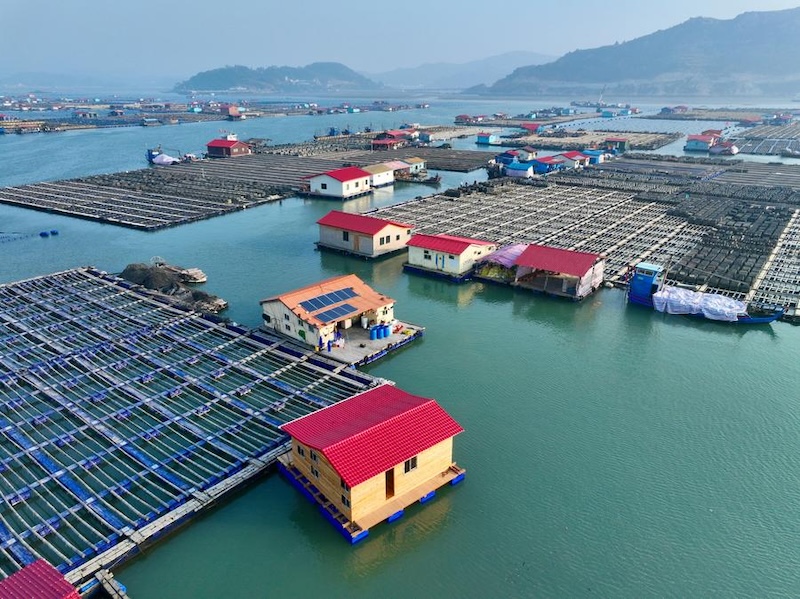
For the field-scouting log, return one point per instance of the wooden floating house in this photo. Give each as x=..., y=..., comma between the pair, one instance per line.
x=227, y=147
x=342, y=183
x=366, y=459
x=362, y=235
x=446, y=255
x=317, y=314
x=555, y=271
x=416, y=165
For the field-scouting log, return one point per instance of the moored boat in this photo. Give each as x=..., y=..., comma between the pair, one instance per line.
x=647, y=288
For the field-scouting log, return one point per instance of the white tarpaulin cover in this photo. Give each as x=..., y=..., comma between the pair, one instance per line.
x=675, y=300
x=164, y=159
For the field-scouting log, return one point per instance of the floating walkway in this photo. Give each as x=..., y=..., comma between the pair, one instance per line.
x=123, y=416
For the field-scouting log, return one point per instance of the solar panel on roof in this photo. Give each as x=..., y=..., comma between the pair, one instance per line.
x=315, y=303
x=335, y=313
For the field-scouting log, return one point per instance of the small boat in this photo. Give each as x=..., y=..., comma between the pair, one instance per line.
x=156, y=156
x=435, y=180
x=647, y=288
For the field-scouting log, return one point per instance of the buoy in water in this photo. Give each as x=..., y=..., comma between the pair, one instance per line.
x=53, y=231
x=44, y=234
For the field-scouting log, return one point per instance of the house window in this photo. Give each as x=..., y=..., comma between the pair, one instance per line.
x=315, y=472
x=408, y=231
x=314, y=456
x=452, y=257
x=286, y=317
x=288, y=327
x=299, y=322
x=301, y=451
x=323, y=186
x=427, y=256
x=398, y=238
x=345, y=501
x=382, y=240
x=345, y=486
x=347, y=186
x=267, y=318
x=410, y=465
x=345, y=235
x=356, y=183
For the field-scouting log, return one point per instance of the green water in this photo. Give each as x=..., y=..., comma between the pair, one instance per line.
x=611, y=451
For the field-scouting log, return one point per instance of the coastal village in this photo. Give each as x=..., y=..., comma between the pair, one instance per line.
x=192, y=406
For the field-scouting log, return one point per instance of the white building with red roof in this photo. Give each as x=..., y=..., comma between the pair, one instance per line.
x=342, y=183
x=560, y=272
x=446, y=255
x=362, y=235
x=574, y=159
x=367, y=458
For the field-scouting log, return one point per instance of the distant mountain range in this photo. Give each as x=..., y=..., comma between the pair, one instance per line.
x=458, y=76
x=319, y=77
x=753, y=54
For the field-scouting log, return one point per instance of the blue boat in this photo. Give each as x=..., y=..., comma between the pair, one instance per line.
x=647, y=288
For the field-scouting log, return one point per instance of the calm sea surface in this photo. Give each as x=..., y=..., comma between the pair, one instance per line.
x=611, y=451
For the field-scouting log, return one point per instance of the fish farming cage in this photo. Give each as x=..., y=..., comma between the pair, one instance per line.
x=117, y=409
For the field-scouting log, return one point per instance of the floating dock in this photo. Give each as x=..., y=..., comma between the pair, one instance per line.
x=123, y=416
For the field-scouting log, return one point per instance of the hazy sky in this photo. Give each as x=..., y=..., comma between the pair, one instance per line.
x=181, y=37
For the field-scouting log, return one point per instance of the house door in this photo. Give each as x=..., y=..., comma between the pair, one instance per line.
x=390, y=483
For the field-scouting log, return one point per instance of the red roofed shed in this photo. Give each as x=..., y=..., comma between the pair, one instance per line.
x=556, y=271
x=362, y=235
x=341, y=183
x=446, y=255
x=38, y=580
x=226, y=148
x=375, y=453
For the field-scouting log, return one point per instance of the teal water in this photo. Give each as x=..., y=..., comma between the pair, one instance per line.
x=611, y=451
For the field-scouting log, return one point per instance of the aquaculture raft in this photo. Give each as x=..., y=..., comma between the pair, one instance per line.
x=123, y=416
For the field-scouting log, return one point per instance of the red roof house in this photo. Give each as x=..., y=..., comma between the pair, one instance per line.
x=341, y=183
x=372, y=455
x=446, y=255
x=38, y=580
x=362, y=235
x=556, y=271
x=227, y=148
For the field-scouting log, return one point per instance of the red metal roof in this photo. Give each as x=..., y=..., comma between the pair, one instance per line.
x=449, y=244
x=704, y=138
x=224, y=143
x=542, y=257
x=574, y=155
x=38, y=580
x=374, y=431
x=359, y=223
x=344, y=174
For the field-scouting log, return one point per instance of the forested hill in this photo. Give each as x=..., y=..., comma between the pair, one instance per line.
x=316, y=77
x=752, y=54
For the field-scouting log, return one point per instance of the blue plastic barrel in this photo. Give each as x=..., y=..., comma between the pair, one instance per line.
x=373, y=333
x=387, y=330
x=381, y=331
